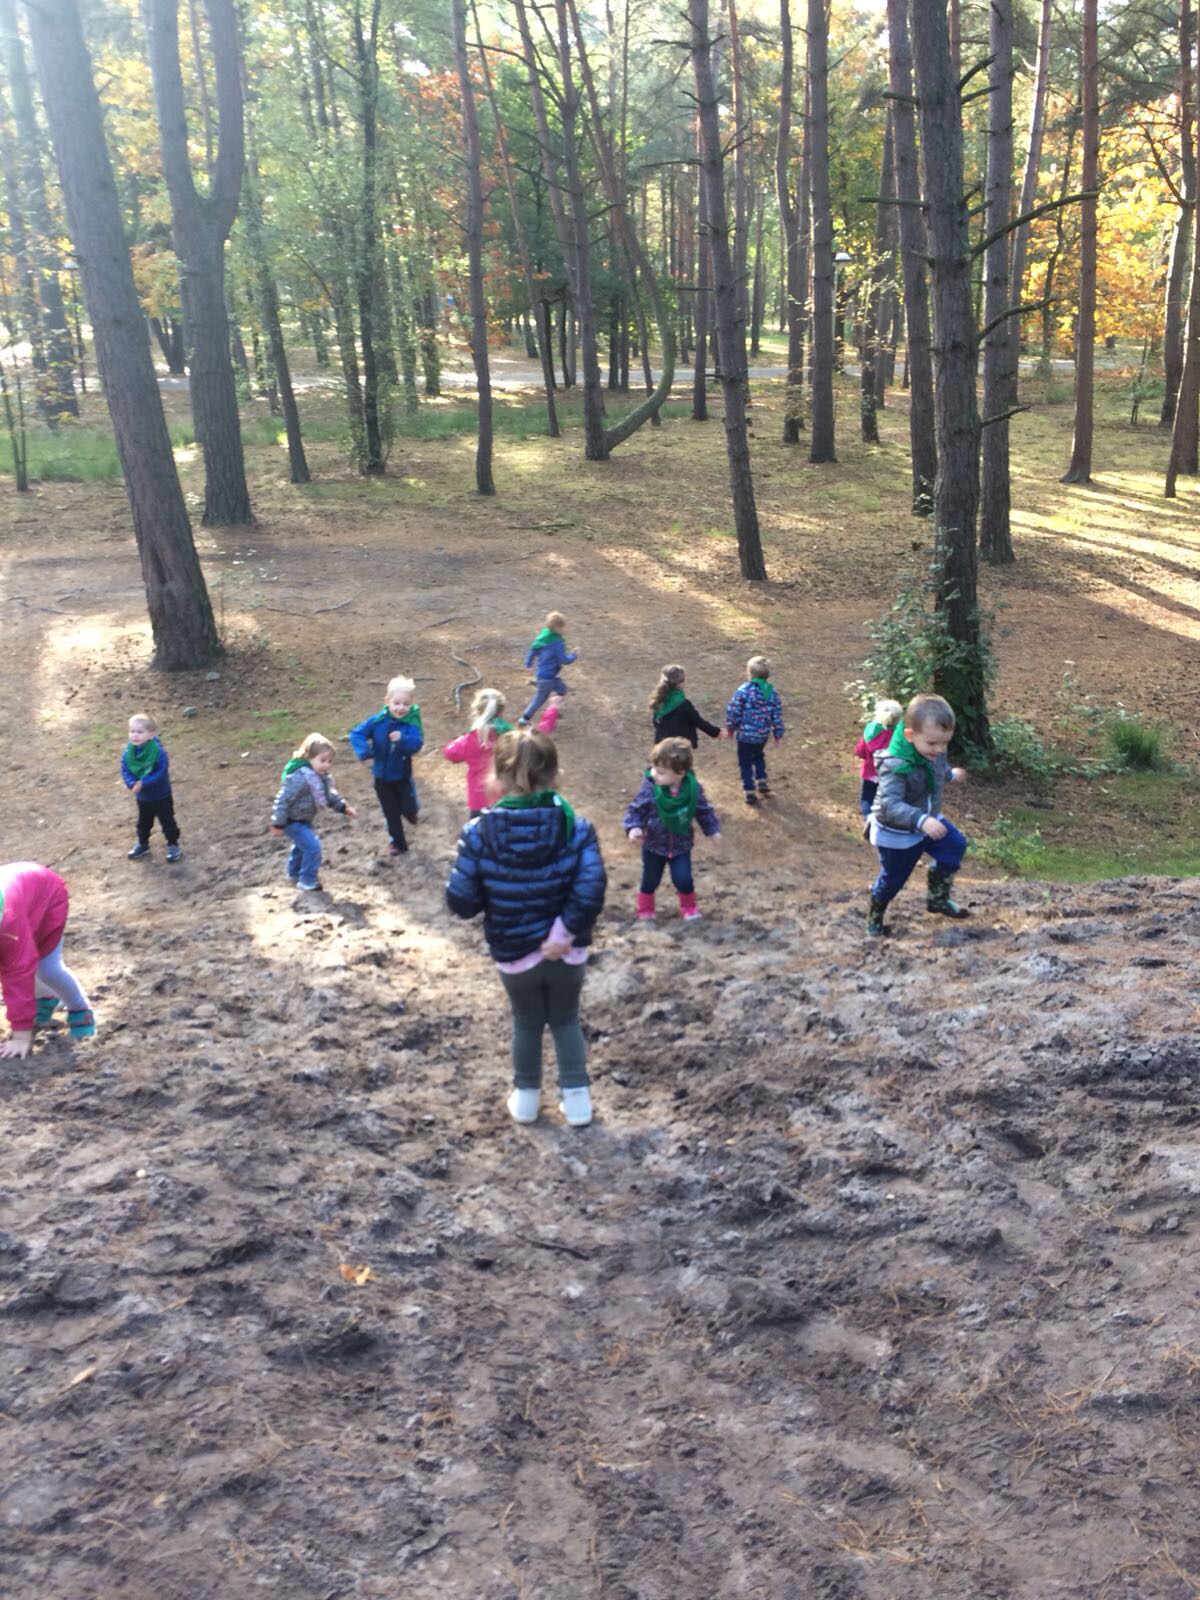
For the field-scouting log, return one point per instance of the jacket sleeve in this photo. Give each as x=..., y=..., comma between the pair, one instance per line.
x=568, y=656
x=777, y=715
x=586, y=899
x=336, y=801
x=530, y=656
x=411, y=739
x=891, y=808
x=128, y=776
x=360, y=738
x=459, y=749
x=698, y=721
x=279, y=811
x=733, y=711
x=863, y=751
x=640, y=809
x=706, y=815
x=17, y=975
x=464, y=890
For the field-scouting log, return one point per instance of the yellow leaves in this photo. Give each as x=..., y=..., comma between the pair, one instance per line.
x=356, y=1275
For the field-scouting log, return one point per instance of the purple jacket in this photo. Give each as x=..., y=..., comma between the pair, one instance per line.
x=659, y=840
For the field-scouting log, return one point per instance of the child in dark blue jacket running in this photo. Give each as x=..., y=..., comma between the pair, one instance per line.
x=534, y=869
x=753, y=715
x=389, y=740
x=551, y=655
x=147, y=772
x=660, y=817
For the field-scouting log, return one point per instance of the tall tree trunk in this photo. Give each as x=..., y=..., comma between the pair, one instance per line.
x=27, y=318
x=1000, y=343
x=741, y=141
x=794, y=247
x=1054, y=255
x=956, y=491
x=913, y=249
x=1185, y=436
x=368, y=277
x=732, y=330
x=871, y=364
x=484, y=483
x=703, y=294
x=1182, y=230
x=887, y=322
x=1033, y=161
x=822, y=446
x=758, y=299
x=181, y=618
x=1080, y=470
x=201, y=227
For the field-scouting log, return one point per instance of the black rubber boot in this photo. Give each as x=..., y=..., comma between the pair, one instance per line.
x=938, y=898
x=875, y=927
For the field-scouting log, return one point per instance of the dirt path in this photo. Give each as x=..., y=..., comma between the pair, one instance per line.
x=872, y=1281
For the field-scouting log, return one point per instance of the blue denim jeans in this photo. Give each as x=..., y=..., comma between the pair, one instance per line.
x=653, y=866
x=752, y=762
x=304, y=858
x=545, y=688
x=896, y=866
x=53, y=978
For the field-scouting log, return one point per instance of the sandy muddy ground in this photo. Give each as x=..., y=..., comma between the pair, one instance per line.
x=875, y=1278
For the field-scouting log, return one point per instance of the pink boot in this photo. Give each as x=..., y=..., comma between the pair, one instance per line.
x=687, y=907
x=645, y=911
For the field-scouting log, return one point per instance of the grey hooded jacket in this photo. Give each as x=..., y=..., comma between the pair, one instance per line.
x=905, y=799
x=296, y=802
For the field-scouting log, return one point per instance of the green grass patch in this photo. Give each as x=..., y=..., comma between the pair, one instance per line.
x=1132, y=744
x=278, y=727
x=100, y=739
x=1146, y=824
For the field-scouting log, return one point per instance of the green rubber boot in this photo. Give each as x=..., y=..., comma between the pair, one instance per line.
x=875, y=927
x=938, y=898
x=47, y=1005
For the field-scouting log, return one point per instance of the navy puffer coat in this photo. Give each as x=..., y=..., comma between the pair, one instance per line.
x=517, y=866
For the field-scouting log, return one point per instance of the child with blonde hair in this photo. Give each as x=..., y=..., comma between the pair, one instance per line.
x=389, y=739
x=533, y=867
x=675, y=717
x=876, y=737
x=475, y=747
x=753, y=715
x=550, y=653
x=305, y=789
x=660, y=818
x=147, y=772
x=33, y=915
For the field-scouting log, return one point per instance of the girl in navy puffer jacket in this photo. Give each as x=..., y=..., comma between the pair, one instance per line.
x=534, y=869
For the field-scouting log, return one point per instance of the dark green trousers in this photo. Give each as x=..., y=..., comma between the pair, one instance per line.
x=547, y=996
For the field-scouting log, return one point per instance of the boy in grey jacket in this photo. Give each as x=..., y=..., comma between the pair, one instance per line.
x=306, y=788
x=906, y=817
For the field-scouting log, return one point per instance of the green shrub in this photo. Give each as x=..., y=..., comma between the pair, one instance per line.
x=1017, y=749
x=1010, y=846
x=1131, y=743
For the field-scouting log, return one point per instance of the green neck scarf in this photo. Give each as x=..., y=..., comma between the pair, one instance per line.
x=498, y=726
x=546, y=636
x=676, y=811
x=871, y=730
x=765, y=685
x=543, y=797
x=140, y=758
x=412, y=716
x=908, y=758
x=294, y=765
x=673, y=701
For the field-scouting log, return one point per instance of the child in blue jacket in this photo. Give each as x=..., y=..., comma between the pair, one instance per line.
x=550, y=652
x=534, y=869
x=389, y=739
x=754, y=715
x=660, y=818
x=147, y=772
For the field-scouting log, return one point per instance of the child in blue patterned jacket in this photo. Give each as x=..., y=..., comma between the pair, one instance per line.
x=550, y=652
x=389, y=739
x=753, y=715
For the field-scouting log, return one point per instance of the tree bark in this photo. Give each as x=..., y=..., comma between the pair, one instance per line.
x=956, y=491
x=795, y=248
x=999, y=347
x=732, y=330
x=1033, y=160
x=1185, y=436
x=1080, y=469
x=1181, y=232
x=484, y=483
x=822, y=445
x=181, y=618
x=741, y=137
x=201, y=226
x=368, y=277
x=703, y=292
x=871, y=364
x=758, y=299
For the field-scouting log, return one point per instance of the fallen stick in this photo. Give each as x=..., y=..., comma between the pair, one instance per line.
x=466, y=683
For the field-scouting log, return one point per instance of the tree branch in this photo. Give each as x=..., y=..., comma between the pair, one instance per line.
x=1013, y=311
x=1030, y=216
x=980, y=66
x=1003, y=416
x=889, y=200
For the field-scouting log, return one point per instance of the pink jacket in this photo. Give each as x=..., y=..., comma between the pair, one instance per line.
x=35, y=914
x=478, y=758
x=866, y=750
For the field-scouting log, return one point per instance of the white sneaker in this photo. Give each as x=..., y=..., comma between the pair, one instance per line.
x=576, y=1106
x=524, y=1104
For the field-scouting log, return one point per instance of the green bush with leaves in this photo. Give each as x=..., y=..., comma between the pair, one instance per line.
x=1131, y=743
x=1018, y=750
x=1009, y=846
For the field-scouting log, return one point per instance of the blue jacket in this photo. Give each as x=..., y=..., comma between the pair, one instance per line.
x=551, y=658
x=156, y=785
x=753, y=716
x=658, y=839
x=518, y=867
x=391, y=758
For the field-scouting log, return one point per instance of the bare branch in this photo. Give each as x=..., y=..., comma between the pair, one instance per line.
x=1014, y=311
x=1003, y=416
x=1030, y=216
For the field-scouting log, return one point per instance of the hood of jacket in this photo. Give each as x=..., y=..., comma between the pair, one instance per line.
x=529, y=836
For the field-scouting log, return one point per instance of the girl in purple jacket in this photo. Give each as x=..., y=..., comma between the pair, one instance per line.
x=660, y=818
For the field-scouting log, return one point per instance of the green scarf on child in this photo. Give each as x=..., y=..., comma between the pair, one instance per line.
x=545, y=636
x=543, y=797
x=872, y=729
x=908, y=758
x=671, y=703
x=141, y=758
x=295, y=764
x=412, y=716
x=765, y=685
x=676, y=811
x=499, y=726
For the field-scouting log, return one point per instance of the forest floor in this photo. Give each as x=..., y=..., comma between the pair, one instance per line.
x=875, y=1277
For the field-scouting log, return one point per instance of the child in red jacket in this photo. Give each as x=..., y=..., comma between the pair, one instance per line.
x=33, y=914
x=477, y=745
x=876, y=737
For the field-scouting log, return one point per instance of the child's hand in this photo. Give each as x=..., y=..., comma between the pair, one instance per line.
x=725, y=733
x=19, y=1045
x=933, y=829
x=715, y=838
x=137, y=788
x=274, y=829
x=958, y=774
x=778, y=738
x=636, y=835
x=394, y=735
x=364, y=759
x=555, y=949
x=351, y=812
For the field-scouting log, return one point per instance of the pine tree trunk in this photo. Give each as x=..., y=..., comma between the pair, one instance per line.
x=700, y=372
x=731, y=329
x=1185, y=436
x=181, y=618
x=956, y=492
x=1181, y=232
x=741, y=139
x=913, y=249
x=1080, y=470
x=1033, y=159
x=999, y=347
x=794, y=253
x=758, y=301
x=268, y=306
x=871, y=365
x=474, y=239
x=822, y=445
x=368, y=278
